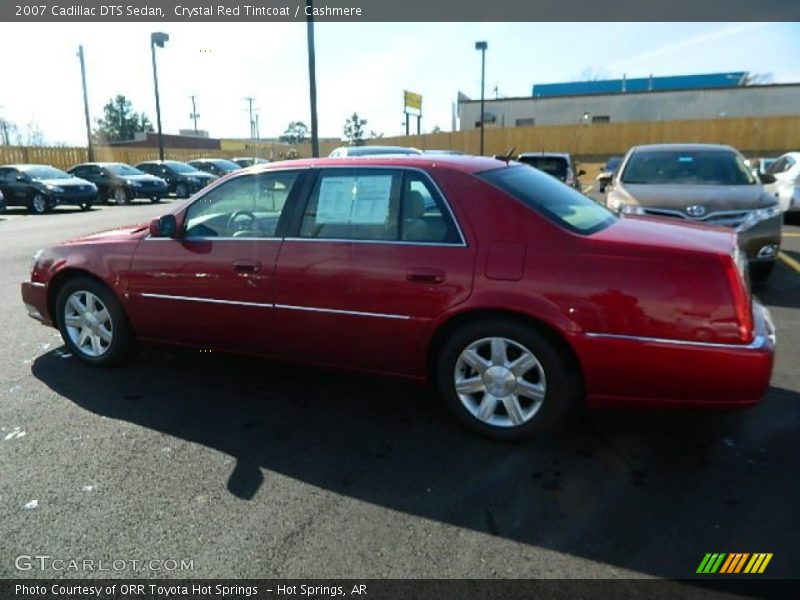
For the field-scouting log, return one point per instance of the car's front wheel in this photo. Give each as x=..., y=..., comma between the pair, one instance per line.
x=181, y=190
x=121, y=196
x=760, y=272
x=93, y=323
x=38, y=204
x=506, y=380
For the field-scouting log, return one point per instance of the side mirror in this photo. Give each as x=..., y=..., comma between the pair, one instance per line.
x=581, y=172
x=22, y=178
x=166, y=226
x=767, y=178
x=605, y=177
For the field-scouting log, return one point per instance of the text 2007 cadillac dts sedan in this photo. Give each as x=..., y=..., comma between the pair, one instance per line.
x=516, y=295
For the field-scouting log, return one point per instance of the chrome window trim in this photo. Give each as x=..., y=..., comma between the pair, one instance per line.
x=212, y=239
x=759, y=341
x=389, y=242
x=425, y=174
x=335, y=311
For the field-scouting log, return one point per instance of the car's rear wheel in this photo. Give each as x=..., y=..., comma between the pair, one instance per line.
x=86, y=205
x=121, y=196
x=155, y=199
x=38, y=204
x=93, y=323
x=506, y=380
x=181, y=191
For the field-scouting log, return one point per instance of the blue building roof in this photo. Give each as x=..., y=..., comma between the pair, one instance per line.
x=642, y=84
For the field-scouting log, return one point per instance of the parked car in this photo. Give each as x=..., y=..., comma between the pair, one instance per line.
x=2, y=203
x=702, y=183
x=216, y=166
x=345, y=151
x=761, y=165
x=607, y=172
x=120, y=182
x=557, y=164
x=786, y=187
x=41, y=188
x=519, y=297
x=446, y=152
x=182, y=179
x=249, y=161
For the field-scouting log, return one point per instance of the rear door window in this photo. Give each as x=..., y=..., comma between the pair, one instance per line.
x=552, y=165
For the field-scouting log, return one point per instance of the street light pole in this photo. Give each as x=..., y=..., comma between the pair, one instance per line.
x=312, y=80
x=482, y=47
x=158, y=39
x=89, y=145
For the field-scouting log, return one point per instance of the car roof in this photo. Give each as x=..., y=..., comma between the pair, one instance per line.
x=22, y=166
x=534, y=154
x=683, y=147
x=464, y=163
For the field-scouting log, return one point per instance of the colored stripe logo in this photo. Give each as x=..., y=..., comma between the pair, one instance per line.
x=734, y=563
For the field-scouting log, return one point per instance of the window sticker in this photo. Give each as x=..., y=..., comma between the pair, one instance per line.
x=354, y=200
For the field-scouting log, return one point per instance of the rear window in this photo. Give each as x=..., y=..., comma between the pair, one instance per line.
x=552, y=165
x=687, y=167
x=558, y=202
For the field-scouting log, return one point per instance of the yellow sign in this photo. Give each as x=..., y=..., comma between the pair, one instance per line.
x=413, y=100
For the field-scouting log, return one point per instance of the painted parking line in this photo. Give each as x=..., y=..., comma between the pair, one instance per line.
x=588, y=189
x=789, y=261
x=791, y=234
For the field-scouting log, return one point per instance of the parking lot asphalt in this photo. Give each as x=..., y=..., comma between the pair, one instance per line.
x=255, y=469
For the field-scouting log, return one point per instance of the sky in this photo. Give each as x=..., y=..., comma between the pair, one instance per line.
x=360, y=67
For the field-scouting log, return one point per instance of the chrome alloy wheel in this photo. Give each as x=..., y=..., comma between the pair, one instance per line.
x=88, y=323
x=500, y=382
x=39, y=204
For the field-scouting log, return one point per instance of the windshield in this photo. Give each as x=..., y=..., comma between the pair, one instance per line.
x=687, y=167
x=552, y=165
x=180, y=167
x=43, y=172
x=122, y=169
x=372, y=151
x=558, y=202
x=612, y=164
x=227, y=165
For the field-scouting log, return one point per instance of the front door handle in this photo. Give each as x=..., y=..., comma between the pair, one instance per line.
x=247, y=266
x=425, y=275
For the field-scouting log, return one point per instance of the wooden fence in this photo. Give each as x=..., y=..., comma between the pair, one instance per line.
x=754, y=137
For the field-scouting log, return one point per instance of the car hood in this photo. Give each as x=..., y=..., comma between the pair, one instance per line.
x=131, y=232
x=711, y=197
x=655, y=232
x=142, y=178
x=69, y=182
x=200, y=175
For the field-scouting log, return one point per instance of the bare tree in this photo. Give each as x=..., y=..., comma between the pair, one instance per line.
x=592, y=75
x=758, y=79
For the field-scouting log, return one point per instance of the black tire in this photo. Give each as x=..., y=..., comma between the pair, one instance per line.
x=563, y=389
x=760, y=272
x=155, y=199
x=122, y=341
x=122, y=196
x=182, y=190
x=38, y=204
x=86, y=205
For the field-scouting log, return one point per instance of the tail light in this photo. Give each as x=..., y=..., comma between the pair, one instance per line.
x=570, y=179
x=735, y=267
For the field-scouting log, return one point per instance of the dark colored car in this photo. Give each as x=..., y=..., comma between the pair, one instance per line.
x=519, y=297
x=216, y=166
x=249, y=161
x=702, y=183
x=41, y=188
x=121, y=183
x=557, y=164
x=607, y=173
x=182, y=179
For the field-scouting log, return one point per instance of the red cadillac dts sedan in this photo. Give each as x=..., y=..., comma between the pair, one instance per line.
x=519, y=297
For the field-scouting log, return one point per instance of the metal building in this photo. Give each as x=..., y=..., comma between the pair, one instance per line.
x=711, y=96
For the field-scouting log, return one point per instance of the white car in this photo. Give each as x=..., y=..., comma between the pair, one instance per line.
x=786, y=170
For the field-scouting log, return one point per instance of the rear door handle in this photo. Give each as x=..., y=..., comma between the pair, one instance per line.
x=425, y=275
x=246, y=266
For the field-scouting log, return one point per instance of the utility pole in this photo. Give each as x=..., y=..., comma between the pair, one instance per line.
x=158, y=39
x=312, y=80
x=482, y=47
x=194, y=116
x=89, y=145
x=252, y=122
